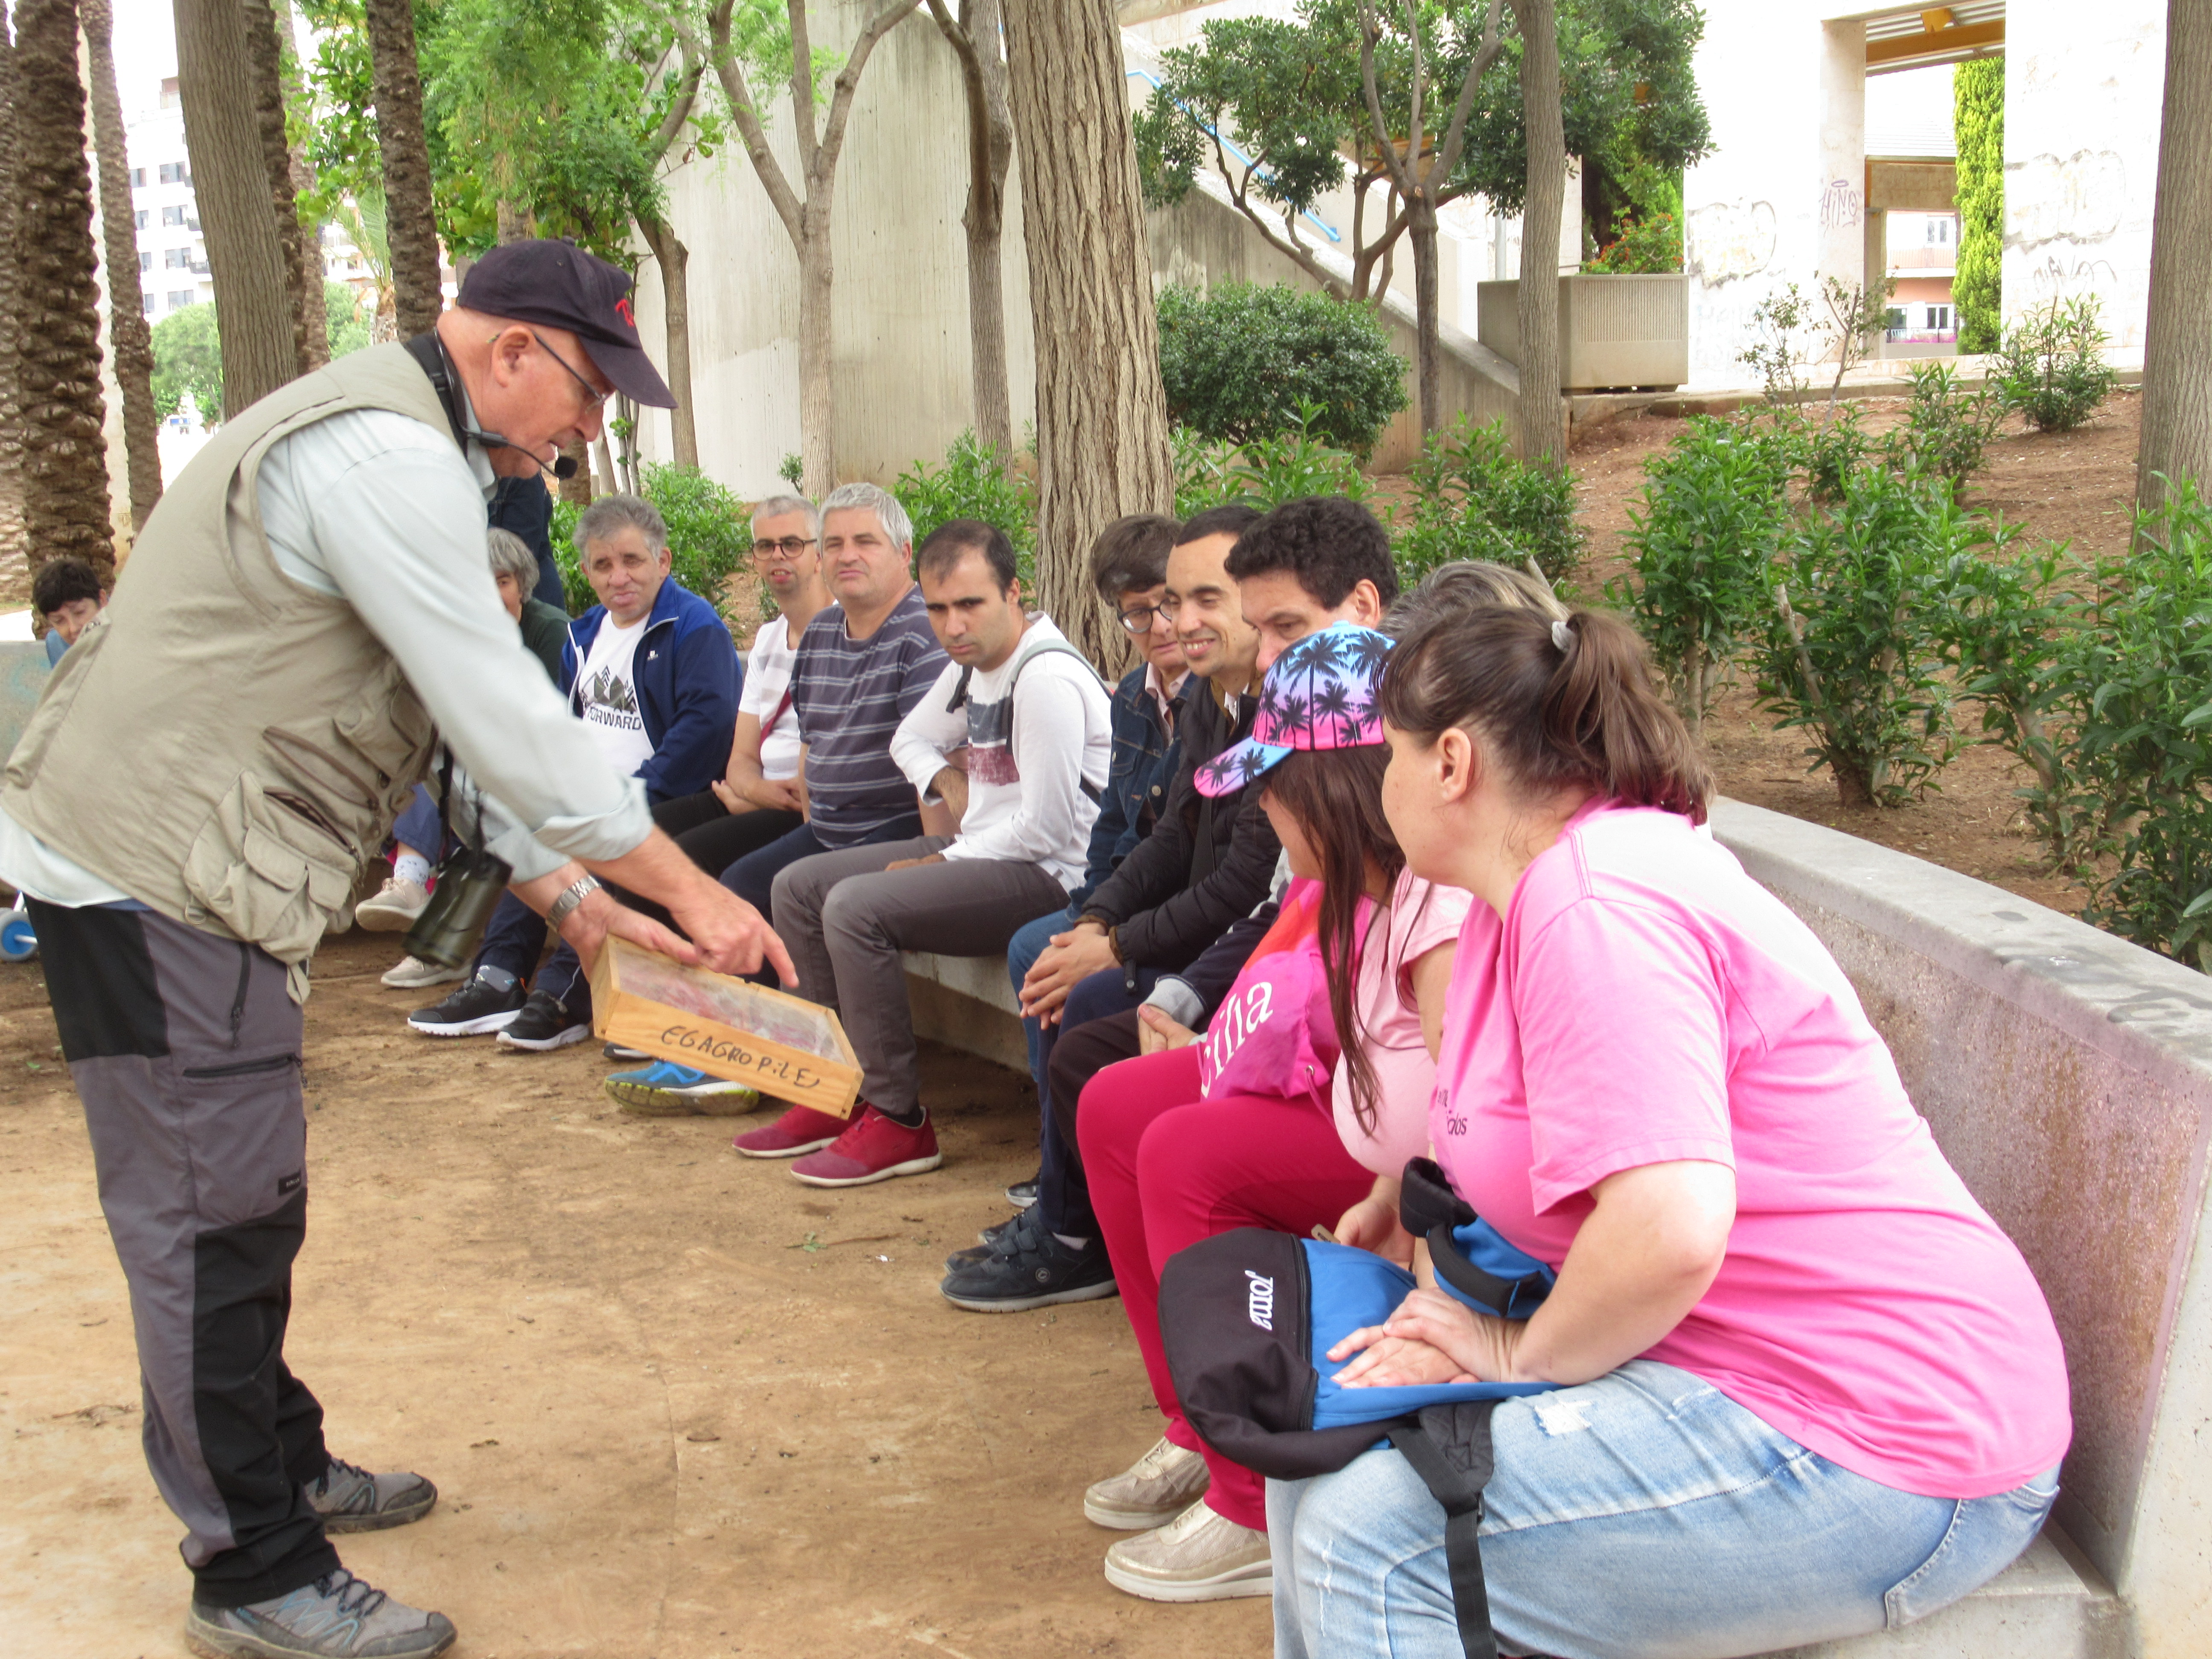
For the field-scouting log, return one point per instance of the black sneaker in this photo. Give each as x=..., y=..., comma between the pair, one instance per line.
x=1031, y=1268
x=478, y=1009
x=543, y=1024
x=1023, y=1194
x=988, y=1240
x=627, y=1056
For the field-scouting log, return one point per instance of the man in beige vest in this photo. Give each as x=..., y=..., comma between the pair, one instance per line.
x=308, y=613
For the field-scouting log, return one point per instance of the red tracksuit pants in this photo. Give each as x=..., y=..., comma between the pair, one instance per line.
x=1167, y=1169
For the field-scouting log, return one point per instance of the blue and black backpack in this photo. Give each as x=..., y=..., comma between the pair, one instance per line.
x=1247, y=1318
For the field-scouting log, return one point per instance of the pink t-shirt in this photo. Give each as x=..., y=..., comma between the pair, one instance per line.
x=1422, y=917
x=1646, y=1002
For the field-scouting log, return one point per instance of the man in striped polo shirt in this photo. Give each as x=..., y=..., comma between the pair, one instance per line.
x=863, y=663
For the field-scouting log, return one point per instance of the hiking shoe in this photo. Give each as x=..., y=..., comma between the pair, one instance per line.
x=1029, y=1267
x=394, y=908
x=1199, y=1556
x=798, y=1131
x=1152, y=1492
x=351, y=1500
x=667, y=1090
x=478, y=1009
x=987, y=1242
x=1023, y=1194
x=413, y=973
x=542, y=1025
x=336, y=1617
x=872, y=1148
x=627, y=1056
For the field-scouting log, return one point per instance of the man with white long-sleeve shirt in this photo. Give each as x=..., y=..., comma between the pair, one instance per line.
x=1012, y=745
x=308, y=612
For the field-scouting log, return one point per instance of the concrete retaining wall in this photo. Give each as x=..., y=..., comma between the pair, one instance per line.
x=2068, y=1075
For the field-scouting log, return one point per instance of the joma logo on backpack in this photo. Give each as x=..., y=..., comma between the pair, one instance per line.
x=1260, y=1301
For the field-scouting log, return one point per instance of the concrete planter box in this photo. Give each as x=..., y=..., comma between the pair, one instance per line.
x=1614, y=332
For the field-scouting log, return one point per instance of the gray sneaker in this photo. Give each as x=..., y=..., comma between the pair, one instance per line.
x=351, y=1500
x=336, y=1617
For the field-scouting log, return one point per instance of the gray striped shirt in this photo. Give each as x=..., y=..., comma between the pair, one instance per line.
x=851, y=695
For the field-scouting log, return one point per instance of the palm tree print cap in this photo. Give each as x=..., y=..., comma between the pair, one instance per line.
x=1319, y=694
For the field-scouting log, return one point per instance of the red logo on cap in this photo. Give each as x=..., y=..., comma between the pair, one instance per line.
x=623, y=311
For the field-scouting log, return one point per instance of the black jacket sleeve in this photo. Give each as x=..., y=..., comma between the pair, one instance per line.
x=1174, y=932
x=1215, y=970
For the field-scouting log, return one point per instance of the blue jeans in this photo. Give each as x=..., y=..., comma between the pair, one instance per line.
x=752, y=878
x=418, y=827
x=1644, y=1516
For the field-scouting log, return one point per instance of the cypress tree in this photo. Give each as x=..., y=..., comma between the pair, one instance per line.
x=1977, y=105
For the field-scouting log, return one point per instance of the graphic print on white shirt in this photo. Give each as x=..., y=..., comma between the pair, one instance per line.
x=606, y=691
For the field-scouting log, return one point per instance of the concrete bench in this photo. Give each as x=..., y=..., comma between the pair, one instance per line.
x=2068, y=1075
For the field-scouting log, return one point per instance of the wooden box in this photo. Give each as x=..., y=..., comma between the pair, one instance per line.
x=780, y=1044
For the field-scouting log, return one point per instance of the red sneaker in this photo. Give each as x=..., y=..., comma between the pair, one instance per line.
x=875, y=1148
x=801, y=1130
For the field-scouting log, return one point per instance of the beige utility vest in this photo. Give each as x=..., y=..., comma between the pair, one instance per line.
x=227, y=745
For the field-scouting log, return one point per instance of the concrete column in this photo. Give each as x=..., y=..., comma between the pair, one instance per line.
x=1840, y=236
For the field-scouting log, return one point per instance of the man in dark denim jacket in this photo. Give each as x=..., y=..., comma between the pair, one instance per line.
x=1128, y=564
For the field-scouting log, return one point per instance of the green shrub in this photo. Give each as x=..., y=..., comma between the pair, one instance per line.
x=2008, y=624
x=1850, y=652
x=1713, y=514
x=1202, y=469
x=1977, y=128
x=1295, y=462
x=1239, y=361
x=2137, y=679
x=1947, y=428
x=1473, y=500
x=1832, y=445
x=2051, y=367
x=710, y=537
x=975, y=482
x=1645, y=246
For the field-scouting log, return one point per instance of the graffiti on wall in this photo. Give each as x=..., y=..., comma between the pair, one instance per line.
x=1729, y=240
x=1842, y=205
x=2075, y=198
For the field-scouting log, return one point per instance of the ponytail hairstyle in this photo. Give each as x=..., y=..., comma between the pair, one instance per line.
x=1557, y=701
x=1336, y=796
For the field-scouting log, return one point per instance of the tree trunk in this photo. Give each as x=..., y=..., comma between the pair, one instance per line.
x=975, y=41
x=302, y=177
x=66, y=499
x=576, y=489
x=1542, y=428
x=1428, y=349
x=264, y=68
x=817, y=275
x=514, y=224
x=253, y=274
x=11, y=285
x=126, y=308
x=1102, y=413
x=2177, y=394
x=673, y=258
x=410, y=214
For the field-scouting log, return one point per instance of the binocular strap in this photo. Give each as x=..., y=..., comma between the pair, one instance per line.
x=1456, y=1483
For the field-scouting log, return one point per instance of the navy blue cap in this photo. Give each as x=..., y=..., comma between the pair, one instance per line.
x=555, y=282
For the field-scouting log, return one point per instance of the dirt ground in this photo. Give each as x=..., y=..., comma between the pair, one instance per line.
x=2075, y=486
x=677, y=1405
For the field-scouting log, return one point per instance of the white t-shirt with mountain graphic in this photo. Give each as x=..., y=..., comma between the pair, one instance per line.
x=607, y=691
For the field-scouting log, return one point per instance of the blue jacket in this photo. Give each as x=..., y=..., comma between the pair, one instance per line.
x=688, y=679
x=1142, y=766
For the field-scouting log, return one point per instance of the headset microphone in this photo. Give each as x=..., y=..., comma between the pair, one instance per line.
x=563, y=466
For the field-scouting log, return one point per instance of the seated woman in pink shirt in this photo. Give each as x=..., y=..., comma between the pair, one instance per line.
x=1248, y=1129
x=1809, y=1388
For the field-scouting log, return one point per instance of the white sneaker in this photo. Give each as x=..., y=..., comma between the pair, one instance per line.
x=1155, y=1489
x=413, y=973
x=394, y=908
x=1199, y=1556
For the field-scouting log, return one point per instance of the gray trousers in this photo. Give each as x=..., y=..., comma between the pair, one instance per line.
x=845, y=919
x=185, y=1049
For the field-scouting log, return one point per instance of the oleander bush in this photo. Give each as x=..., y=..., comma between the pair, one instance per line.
x=1474, y=500
x=2051, y=367
x=975, y=482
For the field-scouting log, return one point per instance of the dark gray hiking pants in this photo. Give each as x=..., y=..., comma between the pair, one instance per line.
x=186, y=1051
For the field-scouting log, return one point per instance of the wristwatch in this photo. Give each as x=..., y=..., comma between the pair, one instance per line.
x=571, y=895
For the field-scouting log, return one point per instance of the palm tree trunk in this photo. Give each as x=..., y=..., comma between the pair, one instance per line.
x=265, y=64
x=65, y=498
x=254, y=275
x=672, y=257
x=1543, y=433
x=1101, y=412
x=301, y=177
x=410, y=214
x=11, y=286
x=126, y=309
